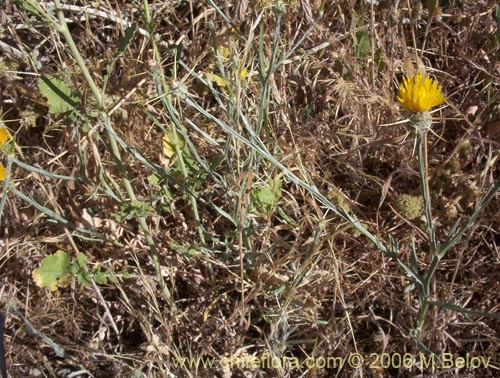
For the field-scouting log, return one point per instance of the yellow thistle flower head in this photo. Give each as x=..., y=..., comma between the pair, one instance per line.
x=4, y=136
x=419, y=93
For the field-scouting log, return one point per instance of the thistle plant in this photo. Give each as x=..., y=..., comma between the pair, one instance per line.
x=219, y=115
x=419, y=93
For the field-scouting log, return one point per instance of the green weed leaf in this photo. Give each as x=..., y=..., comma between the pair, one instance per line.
x=363, y=47
x=154, y=179
x=55, y=271
x=122, y=46
x=134, y=209
x=268, y=196
x=127, y=38
x=79, y=270
x=100, y=277
x=58, y=94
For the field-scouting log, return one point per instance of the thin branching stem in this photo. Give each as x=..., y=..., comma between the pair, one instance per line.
x=166, y=98
x=63, y=29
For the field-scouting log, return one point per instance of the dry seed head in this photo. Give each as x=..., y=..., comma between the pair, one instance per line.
x=450, y=212
x=338, y=199
x=411, y=207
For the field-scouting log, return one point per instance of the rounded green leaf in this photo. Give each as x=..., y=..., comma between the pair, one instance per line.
x=55, y=270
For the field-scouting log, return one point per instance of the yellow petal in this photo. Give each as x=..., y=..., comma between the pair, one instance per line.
x=243, y=73
x=4, y=136
x=419, y=93
x=221, y=82
x=168, y=147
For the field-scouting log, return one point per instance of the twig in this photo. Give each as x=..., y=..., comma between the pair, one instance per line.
x=8, y=49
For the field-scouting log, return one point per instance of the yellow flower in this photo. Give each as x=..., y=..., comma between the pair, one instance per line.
x=419, y=93
x=3, y=172
x=4, y=136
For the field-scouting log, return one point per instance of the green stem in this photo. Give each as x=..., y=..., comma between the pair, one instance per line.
x=63, y=29
x=426, y=194
x=259, y=148
x=166, y=98
x=142, y=221
x=424, y=122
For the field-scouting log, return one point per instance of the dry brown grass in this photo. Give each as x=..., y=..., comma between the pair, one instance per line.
x=295, y=281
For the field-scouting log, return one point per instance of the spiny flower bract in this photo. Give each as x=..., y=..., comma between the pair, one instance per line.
x=419, y=93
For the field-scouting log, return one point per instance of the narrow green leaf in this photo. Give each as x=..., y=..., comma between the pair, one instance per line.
x=122, y=46
x=465, y=311
x=59, y=351
x=41, y=171
x=54, y=216
x=127, y=38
